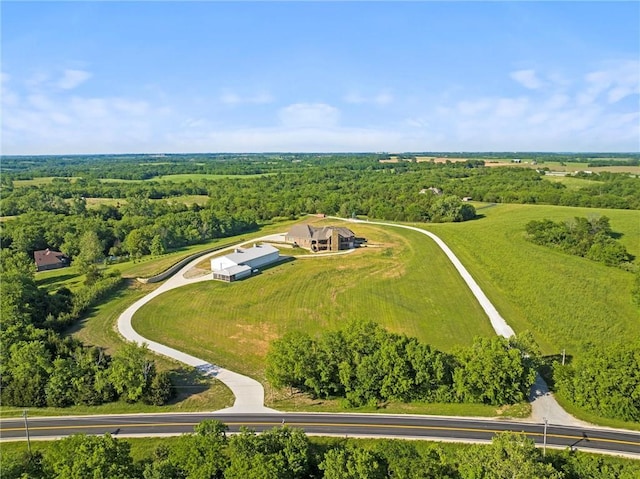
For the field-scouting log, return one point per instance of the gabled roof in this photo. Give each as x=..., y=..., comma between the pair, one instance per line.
x=311, y=232
x=47, y=257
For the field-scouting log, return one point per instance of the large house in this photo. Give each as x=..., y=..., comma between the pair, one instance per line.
x=242, y=262
x=47, y=259
x=325, y=238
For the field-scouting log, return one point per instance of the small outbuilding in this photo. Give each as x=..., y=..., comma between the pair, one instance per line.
x=242, y=262
x=47, y=259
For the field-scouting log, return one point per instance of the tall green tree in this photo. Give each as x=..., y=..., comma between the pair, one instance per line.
x=131, y=372
x=352, y=462
x=90, y=457
x=510, y=456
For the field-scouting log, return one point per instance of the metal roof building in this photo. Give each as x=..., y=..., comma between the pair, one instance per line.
x=239, y=264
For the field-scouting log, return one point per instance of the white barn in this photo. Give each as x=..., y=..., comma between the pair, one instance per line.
x=241, y=262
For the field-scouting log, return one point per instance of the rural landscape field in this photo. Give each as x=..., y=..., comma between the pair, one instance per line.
x=320, y=240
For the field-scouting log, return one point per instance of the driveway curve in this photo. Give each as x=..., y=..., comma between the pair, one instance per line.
x=249, y=393
x=544, y=406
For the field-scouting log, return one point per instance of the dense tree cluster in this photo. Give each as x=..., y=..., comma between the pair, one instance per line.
x=137, y=228
x=587, y=237
x=365, y=364
x=39, y=367
x=604, y=380
x=287, y=453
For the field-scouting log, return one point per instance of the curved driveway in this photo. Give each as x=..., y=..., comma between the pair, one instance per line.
x=249, y=393
x=544, y=407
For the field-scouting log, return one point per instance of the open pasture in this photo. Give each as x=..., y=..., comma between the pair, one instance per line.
x=566, y=301
x=401, y=280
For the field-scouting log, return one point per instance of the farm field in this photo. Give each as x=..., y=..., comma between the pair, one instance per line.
x=566, y=301
x=401, y=280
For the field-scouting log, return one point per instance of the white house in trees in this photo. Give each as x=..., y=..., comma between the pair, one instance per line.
x=242, y=262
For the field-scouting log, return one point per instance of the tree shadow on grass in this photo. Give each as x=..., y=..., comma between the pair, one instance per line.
x=118, y=293
x=42, y=282
x=188, y=382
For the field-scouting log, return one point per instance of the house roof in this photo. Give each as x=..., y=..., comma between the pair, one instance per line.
x=258, y=251
x=311, y=232
x=46, y=257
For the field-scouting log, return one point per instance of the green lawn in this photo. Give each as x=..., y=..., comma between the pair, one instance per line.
x=401, y=280
x=566, y=301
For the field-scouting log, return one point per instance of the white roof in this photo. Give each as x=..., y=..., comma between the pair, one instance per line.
x=242, y=255
x=231, y=270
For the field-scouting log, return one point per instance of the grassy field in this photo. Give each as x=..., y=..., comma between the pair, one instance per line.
x=44, y=180
x=401, y=280
x=566, y=301
x=570, y=182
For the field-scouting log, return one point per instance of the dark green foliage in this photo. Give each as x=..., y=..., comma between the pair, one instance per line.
x=365, y=364
x=39, y=367
x=88, y=457
x=510, y=456
x=605, y=381
x=161, y=390
x=24, y=465
x=279, y=452
x=587, y=237
x=404, y=460
x=352, y=463
x=492, y=371
x=200, y=455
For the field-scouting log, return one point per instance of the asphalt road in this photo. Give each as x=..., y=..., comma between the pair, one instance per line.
x=352, y=425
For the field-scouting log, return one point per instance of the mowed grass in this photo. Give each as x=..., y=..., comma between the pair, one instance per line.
x=401, y=281
x=566, y=301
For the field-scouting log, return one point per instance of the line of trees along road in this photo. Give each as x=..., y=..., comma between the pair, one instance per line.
x=365, y=364
x=287, y=453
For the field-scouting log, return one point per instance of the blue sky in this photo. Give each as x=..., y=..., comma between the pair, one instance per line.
x=112, y=77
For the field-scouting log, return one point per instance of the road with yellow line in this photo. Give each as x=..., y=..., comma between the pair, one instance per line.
x=351, y=425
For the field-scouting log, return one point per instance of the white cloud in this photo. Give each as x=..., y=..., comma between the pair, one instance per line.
x=527, y=78
x=617, y=81
x=309, y=115
x=230, y=98
x=382, y=98
x=73, y=78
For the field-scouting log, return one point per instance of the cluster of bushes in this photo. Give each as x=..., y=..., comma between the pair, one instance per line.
x=365, y=364
x=40, y=367
x=587, y=237
x=604, y=380
x=288, y=453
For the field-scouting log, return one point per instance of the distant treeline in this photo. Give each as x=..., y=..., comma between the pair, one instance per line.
x=145, y=166
x=331, y=185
